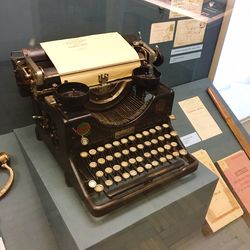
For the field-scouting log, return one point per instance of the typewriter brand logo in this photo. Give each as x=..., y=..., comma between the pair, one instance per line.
x=83, y=128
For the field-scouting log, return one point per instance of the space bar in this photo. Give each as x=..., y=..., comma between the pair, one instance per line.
x=143, y=179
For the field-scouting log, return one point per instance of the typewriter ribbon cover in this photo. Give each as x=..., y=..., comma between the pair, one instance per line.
x=83, y=59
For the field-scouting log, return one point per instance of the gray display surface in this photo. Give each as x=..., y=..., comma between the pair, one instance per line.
x=218, y=146
x=23, y=223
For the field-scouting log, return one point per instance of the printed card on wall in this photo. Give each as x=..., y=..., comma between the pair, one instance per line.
x=180, y=8
x=162, y=32
x=189, y=31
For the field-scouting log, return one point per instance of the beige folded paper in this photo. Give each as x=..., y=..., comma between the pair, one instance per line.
x=223, y=208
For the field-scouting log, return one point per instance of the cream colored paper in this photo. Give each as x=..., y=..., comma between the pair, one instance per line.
x=223, y=208
x=189, y=31
x=200, y=118
x=179, y=7
x=85, y=57
x=162, y=32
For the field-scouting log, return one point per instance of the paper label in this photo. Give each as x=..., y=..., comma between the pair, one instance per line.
x=186, y=49
x=185, y=57
x=189, y=31
x=180, y=7
x=162, y=32
x=200, y=118
x=190, y=139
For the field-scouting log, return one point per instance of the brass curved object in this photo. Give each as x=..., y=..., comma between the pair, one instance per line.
x=4, y=160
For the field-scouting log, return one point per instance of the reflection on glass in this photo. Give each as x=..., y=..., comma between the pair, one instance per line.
x=232, y=78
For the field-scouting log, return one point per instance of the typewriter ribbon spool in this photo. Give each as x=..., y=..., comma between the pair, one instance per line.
x=73, y=94
x=4, y=160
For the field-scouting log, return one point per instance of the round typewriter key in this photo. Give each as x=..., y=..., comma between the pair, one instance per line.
x=154, y=141
x=140, y=146
x=172, y=117
x=147, y=143
x=161, y=138
x=84, y=141
x=84, y=154
x=92, y=151
x=163, y=159
x=147, y=154
x=140, y=169
x=93, y=164
x=131, y=138
x=165, y=125
x=117, y=178
x=116, y=167
x=132, y=161
x=99, y=188
x=148, y=166
x=175, y=154
x=167, y=136
x=132, y=149
x=145, y=133
x=100, y=149
x=117, y=154
x=124, y=140
x=109, y=158
x=173, y=133
x=116, y=143
x=139, y=159
x=152, y=131
x=108, y=146
x=154, y=152
x=108, y=183
x=158, y=128
x=167, y=146
x=124, y=164
x=125, y=151
x=133, y=172
x=183, y=151
x=99, y=173
x=155, y=163
x=138, y=136
x=169, y=157
x=174, y=144
x=101, y=161
x=125, y=175
x=92, y=183
x=108, y=170
x=160, y=149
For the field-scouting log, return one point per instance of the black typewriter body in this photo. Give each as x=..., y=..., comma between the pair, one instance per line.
x=113, y=152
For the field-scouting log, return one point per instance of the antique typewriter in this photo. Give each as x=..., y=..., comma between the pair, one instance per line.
x=112, y=137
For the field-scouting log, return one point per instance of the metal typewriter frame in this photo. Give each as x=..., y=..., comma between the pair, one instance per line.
x=56, y=125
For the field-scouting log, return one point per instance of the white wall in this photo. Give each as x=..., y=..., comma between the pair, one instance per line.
x=232, y=77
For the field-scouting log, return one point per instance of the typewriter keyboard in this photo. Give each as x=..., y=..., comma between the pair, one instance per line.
x=126, y=164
